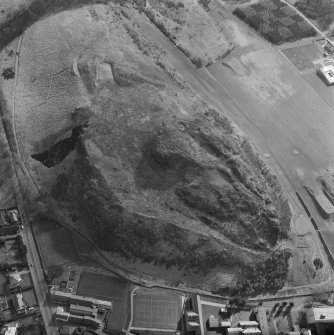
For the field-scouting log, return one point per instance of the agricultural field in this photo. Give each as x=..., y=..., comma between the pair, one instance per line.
x=320, y=11
x=275, y=21
x=55, y=243
x=303, y=57
x=109, y=288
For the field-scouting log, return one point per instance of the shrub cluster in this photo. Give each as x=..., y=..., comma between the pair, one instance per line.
x=321, y=11
x=269, y=276
x=275, y=21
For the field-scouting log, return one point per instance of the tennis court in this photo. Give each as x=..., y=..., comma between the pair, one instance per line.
x=157, y=311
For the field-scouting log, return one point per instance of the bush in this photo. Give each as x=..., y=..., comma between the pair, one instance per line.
x=318, y=263
x=269, y=276
x=8, y=73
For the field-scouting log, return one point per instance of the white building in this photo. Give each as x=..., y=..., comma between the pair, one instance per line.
x=327, y=72
x=10, y=329
x=323, y=314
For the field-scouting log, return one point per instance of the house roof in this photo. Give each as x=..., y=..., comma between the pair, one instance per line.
x=321, y=199
x=15, y=278
x=251, y=331
x=328, y=73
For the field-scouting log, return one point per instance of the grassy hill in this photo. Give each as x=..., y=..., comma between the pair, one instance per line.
x=146, y=169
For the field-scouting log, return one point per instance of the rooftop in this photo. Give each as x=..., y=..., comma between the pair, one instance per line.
x=323, y=313
x=321, y=199
x=328, y=73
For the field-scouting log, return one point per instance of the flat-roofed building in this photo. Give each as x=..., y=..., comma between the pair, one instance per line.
x=234, y=331
x=14, y=280
x=327, y=73
x=248, y=324
x=325, y=205
x=60, y=297
x=101, y=304
x=10, y=329
x=83, y=310
x=323, y=314
x=251, y=331
x=18, y=302
x=68, y=298
x=61, y=315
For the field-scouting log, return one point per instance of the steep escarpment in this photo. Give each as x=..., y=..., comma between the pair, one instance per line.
x=140, y=164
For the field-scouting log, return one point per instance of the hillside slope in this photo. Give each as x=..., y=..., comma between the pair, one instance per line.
x=136, y=160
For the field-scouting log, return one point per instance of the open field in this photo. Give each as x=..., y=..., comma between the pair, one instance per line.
x=157, y=309
x=109, y=287
x=55, y=243
x=304, y=57
x=275, y=21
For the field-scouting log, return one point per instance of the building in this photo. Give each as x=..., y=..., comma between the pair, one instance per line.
x=251, y=331
x=83, y=310
x=191, y=320
x=18, y=302
x=14, y=280
x=248, y=324
x=323, y=314
x=327, y=73
x=329, y=48
x=13, y=216
x=68, y=298
x=61, y=315
x=213, y=322
x=10, y=329
x=234, y=331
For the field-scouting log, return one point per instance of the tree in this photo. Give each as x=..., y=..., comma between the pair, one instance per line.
x=318, y=263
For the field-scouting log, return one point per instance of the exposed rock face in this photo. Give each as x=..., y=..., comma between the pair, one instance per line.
x=149, y=169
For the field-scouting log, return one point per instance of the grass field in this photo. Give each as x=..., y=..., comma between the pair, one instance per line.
x=275, y=21
x=54, y=242
x=303, y=57
x=109, y=288
x=154, y=310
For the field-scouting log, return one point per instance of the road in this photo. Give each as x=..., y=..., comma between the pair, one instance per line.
x=315, y=27
x=36, y=268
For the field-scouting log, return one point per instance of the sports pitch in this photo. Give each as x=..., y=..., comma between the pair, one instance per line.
x=156, y=311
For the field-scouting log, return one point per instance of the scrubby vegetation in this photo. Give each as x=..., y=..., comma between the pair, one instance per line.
x=320, y=11
x=318, y=263
x=275, y=21
x=8, y=73
x=268, y=276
